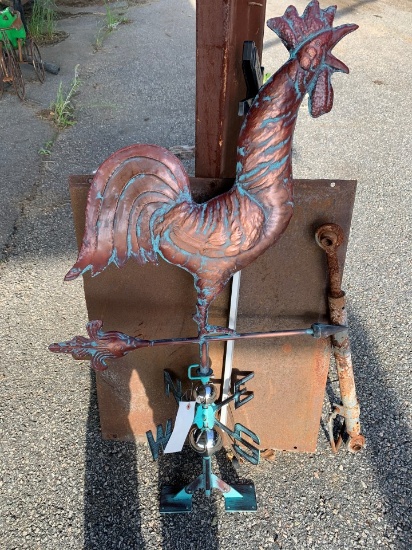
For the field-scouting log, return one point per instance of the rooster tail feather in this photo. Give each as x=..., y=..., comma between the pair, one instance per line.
x=130, y=190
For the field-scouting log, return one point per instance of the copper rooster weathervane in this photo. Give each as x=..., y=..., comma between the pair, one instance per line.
x=140, y=206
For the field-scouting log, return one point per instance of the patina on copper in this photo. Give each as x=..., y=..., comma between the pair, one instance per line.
x=140, y=205
x=100, y=346
x=329, y=237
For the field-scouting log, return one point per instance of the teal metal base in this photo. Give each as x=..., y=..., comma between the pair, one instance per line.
x=175, y=501
x=238, y=498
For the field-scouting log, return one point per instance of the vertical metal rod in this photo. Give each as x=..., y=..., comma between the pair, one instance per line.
x=207, y=473
x=204, y=359
x=227, y=369
x=344, y=367
x=221, y=29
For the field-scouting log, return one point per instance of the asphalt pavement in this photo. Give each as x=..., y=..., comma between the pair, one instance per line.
x=61, y=486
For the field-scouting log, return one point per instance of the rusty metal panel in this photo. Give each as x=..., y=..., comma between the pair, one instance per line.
x=286, y=288
x=221, y=28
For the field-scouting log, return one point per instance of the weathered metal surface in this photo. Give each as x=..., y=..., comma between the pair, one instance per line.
x=140, y=204
x=221, y=29
x=350, y=409
x=100, y=346
x=285, y=288
x=329, y=237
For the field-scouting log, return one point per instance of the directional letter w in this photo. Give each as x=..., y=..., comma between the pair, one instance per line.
x=162, y=439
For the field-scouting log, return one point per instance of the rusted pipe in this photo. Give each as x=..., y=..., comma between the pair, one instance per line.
x=329, y=237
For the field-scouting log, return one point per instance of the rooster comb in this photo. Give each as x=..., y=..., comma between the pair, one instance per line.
x=294, y=29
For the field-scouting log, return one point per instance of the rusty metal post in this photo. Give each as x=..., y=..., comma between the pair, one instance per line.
x=329, y=237
x=221, y=28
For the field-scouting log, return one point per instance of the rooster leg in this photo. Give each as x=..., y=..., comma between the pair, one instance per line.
x=201, y=315
x=204, y=298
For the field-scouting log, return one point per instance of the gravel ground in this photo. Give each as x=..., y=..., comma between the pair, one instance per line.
x=61, y=486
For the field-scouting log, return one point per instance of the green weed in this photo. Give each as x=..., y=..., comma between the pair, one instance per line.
x=45, y=151
x=99, y=38
x=266, y=77
x=111, y=22
x=42, y=22
x=62, y=109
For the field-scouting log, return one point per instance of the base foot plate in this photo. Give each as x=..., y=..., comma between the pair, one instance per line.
x=247, y=503
x=171, y=504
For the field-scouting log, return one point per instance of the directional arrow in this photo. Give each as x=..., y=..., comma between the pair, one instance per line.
x=102, y=346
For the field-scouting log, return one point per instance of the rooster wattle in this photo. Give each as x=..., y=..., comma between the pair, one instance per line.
x=140, y=205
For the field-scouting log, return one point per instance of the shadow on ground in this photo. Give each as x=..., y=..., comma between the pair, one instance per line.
x=112, y=516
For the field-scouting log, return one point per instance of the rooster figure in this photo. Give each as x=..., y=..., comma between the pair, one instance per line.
x=140, y=205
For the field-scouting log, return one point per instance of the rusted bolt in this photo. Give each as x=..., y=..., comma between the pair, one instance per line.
x=329, y=237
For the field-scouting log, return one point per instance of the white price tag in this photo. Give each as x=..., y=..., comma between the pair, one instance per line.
x=183, y=422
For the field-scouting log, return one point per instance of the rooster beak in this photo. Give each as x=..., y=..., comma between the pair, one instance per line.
x=336, y=64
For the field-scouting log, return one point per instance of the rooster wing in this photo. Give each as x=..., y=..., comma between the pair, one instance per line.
x=213, y=236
